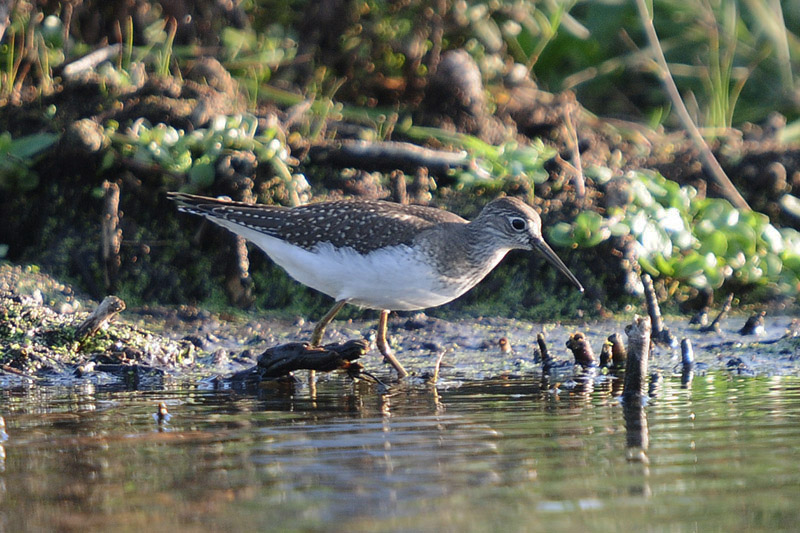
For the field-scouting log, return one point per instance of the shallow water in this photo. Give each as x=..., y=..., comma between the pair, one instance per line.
x=507, y=455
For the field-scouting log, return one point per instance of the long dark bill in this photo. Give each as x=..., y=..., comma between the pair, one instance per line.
x=556, y=261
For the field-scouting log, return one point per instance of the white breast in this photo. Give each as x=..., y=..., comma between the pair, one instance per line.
x=391, y=278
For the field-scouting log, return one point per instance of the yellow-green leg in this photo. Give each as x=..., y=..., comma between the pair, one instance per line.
x=319, y=329
x=383, y=345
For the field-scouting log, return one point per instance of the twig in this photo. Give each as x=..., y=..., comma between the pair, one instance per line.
x=437, y=366
x=581, y=350
x=547, y=361
x=111, y=234
x=709, y=161
x=91, y=60
x=12, y=370
x=572, y=134
x=109, y=307
x=638, y=353
x=660, y=335
x=714, y=326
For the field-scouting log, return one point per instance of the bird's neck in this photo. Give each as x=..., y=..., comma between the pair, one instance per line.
x=471, y=251
x=483, y=245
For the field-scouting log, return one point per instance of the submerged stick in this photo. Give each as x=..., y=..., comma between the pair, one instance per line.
x=437, y=367
x=397, y=181
x=637, y=438
x=605, y=355
x=618, y=353
x=754, y=324
x=12, y=370
x=660, y=334
x=581, y=350
x=110, y=306
x=638, y=353
x=687, y=362
x=547, y=361
x=714, y=326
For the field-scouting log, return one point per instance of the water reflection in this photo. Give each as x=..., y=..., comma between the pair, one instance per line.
x=637, y=441
x=521, y=453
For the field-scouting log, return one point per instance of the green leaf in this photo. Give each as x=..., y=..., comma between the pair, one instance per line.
x=691, y=265
x=648, y=266
x=561, y=235
x=665, y=267
x=31, y=145
x=202, y=175
x=715, y=243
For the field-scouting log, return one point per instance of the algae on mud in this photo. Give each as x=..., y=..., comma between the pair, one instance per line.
x=38, y=342
x=246, y=123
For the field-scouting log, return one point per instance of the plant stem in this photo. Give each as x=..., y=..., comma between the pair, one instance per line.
x=709, y=161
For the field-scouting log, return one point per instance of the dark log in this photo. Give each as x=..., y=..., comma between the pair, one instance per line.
x=387, y=156
x=281, y=360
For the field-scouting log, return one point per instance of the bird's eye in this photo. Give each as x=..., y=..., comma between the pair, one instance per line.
x=518, y=224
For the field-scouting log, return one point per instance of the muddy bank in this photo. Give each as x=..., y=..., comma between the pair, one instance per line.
x=104, y=224
x=151, y=347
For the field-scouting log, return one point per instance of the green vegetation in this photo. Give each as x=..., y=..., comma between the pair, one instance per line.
x=296, y=77
x=703, y=242
x=17, y=158
x=195, y=154
x=34, y=336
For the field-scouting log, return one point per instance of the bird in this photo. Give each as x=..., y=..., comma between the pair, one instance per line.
x=378, y=254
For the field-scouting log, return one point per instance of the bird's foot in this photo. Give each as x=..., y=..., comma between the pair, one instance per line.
x=383, y=347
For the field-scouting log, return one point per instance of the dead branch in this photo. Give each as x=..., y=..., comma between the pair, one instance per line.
x=638, y=334
x=387, y=156
x=109, y=307
x=281, y=360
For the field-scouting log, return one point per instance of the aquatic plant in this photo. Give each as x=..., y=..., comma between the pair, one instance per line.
x=700, y=241
x=17, y=157
x=195, y=154
x=491, y=165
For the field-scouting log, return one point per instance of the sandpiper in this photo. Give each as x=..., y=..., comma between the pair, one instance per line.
x=381, y=255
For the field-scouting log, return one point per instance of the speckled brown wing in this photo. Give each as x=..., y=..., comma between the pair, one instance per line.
x=362, y=225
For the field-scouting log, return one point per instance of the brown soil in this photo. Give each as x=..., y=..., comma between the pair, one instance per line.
x=162, y=258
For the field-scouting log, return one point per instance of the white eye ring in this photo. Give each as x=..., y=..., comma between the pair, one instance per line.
x=518, y=223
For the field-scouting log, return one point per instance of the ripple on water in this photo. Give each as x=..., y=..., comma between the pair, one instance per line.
x=720, y=454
